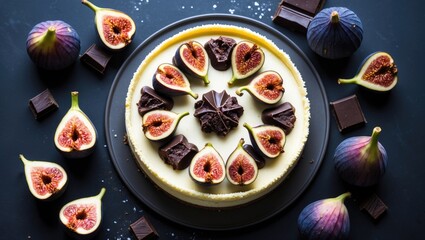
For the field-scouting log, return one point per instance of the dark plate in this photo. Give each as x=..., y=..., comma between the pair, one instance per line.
x=203, y=218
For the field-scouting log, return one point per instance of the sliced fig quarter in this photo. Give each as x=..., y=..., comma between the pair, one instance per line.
x=169, y=80
x=160, y=124
x=115, y=28
x=267, y=87
x=82, y=217
x=46, y=180
x=268, y=140
x=207, y=166
x=241, y=167
x=75, y=136
x=193, y=60
x=247, y=58
x=377, y=72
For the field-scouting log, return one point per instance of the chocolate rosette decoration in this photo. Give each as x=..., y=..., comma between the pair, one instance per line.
x=218, y=112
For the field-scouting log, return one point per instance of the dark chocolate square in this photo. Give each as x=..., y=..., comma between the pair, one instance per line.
x=374, y=206
x=43, y=104
x=96, y=58
x=348, y=113
x=309, y=7
x=291, y=19
x=143, y=229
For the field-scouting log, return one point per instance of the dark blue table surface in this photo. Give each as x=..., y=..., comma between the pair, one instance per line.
x=389, y=26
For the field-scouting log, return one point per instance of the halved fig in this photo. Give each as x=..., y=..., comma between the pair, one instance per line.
x=241, y=167
x=160, y=124
x=75, y=136
x=378, y=72
x=282, y=116
x=151, y=100
x=46, y=180
x=115, y=28
x=247, y=58
x=178, y=152
x=83, y=216
x=169, y=80
x=259, y=159
x=207, y=166
x=193, y=60
x=267, y=87
x=268, y=140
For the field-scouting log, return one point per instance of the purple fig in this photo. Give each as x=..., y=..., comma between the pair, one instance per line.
x=53, y=45
x=325, y=219
x=361, y=160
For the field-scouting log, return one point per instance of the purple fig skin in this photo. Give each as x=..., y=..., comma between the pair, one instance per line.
x=325, y=219
x=53, y=45
x=361, y=161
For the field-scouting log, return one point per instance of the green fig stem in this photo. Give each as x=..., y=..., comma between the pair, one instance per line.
x=181, y=115
x=334, y=17
x=192, y=94
x=90, y=5
x=101, y=193
x=48, y=39
x=343, y=196
x=372, y=149
x=346, y=81
x=230, y=83
x=241, y=142
x=239, y=90
x=248, y=127
x=23, y=159
x=74, y=100
x=206, y=80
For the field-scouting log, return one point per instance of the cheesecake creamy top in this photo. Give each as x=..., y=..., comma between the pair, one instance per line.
x=178, y=183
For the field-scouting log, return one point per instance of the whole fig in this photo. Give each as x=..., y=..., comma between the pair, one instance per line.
x=53, y=45
x=325, y=219
x=361, y=160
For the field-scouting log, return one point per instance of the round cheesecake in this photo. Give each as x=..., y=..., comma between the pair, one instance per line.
x=178, y=183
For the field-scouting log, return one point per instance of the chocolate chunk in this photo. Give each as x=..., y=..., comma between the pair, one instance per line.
x=297, y=14
x=219, y=51
x=178, y=152
x=218, y=112
x=348, y=113
x=282, y=116
x=151, y=100
x=143, y=229
x=43, y=104
x=374, y=206
x=96, y=58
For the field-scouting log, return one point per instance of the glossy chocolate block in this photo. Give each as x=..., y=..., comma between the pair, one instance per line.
x=348, y=113
x=96, y=58
x=143, y=229
x=43, y=104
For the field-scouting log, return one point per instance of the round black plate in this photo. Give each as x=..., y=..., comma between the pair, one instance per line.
x=203, y=218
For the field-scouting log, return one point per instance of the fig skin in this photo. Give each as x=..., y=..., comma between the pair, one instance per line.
x=53, y=178
x=240, y=165
x=53, y=45
x=172, y=74
x=256, y=140
x=165, y=135
x=325, y=219
x=83, y=211
x=378, y=72
x=183, y=65
x=266, y=83
x=247, y=58
x=123, y=35
x=209, y=178
x=76, y=135
x=361, y=161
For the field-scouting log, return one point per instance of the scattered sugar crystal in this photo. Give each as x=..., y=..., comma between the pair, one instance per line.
x=232, y=11
x=215, y=6
x=256, y=4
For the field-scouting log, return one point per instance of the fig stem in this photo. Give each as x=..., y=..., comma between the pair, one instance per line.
x=346, y=81
x=101, y=193
x=372, y=149
x=90, y=5
x=194, y=95
x=239, y=90
x=230, y=83
x=74, y=100
x=23, y=159
x=343, y=196
x=334, y=17
x=48, y=39
x=206, y=80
